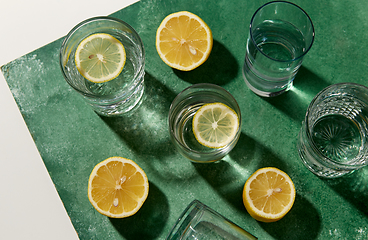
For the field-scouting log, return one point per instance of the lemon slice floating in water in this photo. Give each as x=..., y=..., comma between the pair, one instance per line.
x=215, y=125
x=100, y=57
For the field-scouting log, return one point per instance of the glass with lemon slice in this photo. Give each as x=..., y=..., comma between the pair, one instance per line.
x=204, y=122
x=103, y=59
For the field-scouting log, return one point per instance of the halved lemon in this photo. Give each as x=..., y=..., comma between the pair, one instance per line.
x=117, y=187
x=183, y=41
x=268, y=194
x=215, y=125
x=100, y=57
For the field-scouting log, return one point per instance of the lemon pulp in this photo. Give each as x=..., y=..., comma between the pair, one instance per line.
x=100, y=57
x=117, y=187
x=268, y=194
x=215, y=125
x=183, y=41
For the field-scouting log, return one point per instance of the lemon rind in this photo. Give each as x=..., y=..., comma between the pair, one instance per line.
x=110, y=76
x=142, y=199
x=195, y=123
x=209, y=40
x=259, y=215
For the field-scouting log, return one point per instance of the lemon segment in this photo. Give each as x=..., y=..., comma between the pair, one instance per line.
x=268, y=194
x=183, y=41
x=100, y=57
x=117, y=187
x=215, y=125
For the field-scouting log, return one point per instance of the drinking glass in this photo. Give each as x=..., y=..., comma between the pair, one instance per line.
x=333, y=138
x=116, y=96
x=281, y=34
x=200, y=222
x=181, y=114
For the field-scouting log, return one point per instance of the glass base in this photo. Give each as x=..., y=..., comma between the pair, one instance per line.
x=315, y=166
x=121, y=106
x=267, y=94
x=266, y=88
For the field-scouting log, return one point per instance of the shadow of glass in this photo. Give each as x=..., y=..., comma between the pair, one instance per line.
x=308, y=82
x=145, y=128
x=253, y=155
x=225, y=179
x=220, y=68
x=149, y=221
x=145, y=131
x=295, y=102
x=353, y=188
x=302, y=222
x=228, y=175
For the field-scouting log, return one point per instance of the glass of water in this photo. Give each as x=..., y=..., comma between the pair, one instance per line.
x=281, y=34
x=200, y=222
x=333, y=140
x=181, y=113
x=116, y=96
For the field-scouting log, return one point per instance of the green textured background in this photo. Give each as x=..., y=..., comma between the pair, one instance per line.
x=72, y=139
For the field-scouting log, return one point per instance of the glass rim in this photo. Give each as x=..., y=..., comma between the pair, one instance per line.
x=199, y=85
x=184, y=215
x=195, y=210
x=76, y=28
x=307, y=127
x=286, y=2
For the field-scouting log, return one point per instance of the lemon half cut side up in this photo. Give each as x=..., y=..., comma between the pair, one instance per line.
x=268, y=194
x=117, y=187
x=183, y=41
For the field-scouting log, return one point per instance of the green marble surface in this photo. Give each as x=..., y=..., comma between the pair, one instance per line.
x=72, y=139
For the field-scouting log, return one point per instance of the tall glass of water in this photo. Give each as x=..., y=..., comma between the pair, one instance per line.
x=333, y=140
x=122, y=93
x=281, y=34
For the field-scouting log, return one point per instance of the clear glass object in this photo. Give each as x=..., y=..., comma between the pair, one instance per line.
x=333, y=138
x=281, y=34
x=181, y=114
x=200, y=222
x=116, y=96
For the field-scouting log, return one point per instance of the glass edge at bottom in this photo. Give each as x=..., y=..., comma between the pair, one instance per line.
x=180, y=221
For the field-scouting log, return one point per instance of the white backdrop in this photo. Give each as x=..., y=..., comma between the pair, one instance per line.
x=30, y=207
